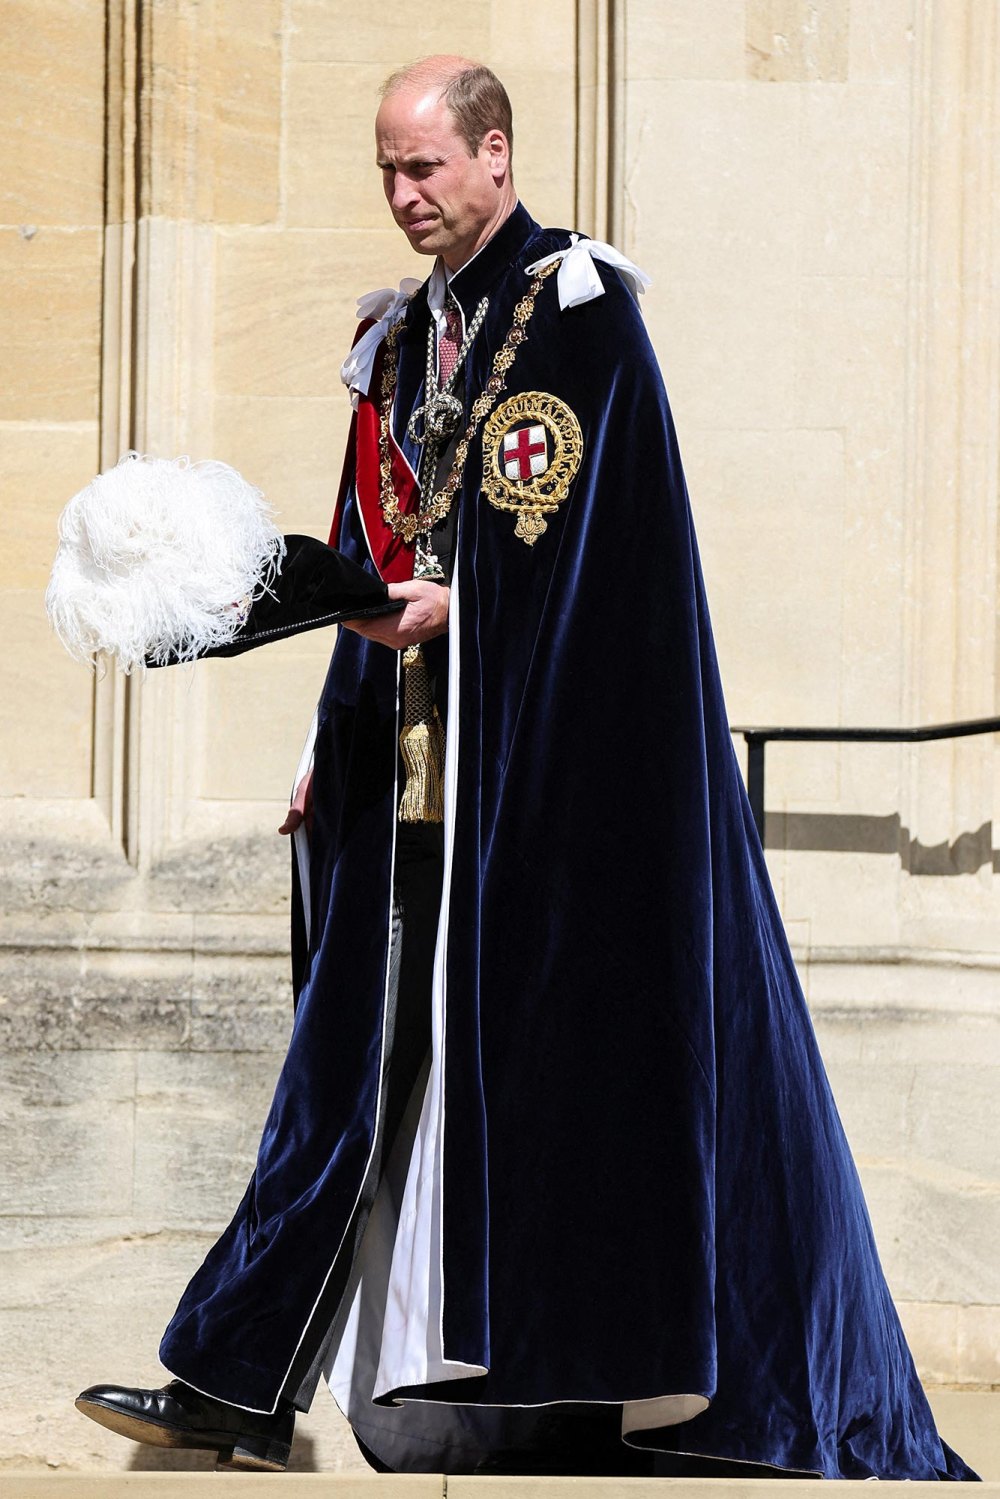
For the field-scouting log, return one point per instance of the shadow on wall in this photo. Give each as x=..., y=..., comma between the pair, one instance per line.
x=822, y=832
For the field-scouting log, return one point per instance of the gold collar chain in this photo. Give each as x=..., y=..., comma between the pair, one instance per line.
x=409, y=527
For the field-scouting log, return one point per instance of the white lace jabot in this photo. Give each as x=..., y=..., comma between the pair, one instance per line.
x=386, y=307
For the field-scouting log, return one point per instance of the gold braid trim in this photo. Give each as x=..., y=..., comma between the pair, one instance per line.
x=422, y=745
x=409, y=527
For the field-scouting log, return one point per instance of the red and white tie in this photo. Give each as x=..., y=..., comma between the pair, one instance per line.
x=449, y=340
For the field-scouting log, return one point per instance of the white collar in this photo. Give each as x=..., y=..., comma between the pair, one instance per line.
x=437, y=291
x=441, y=278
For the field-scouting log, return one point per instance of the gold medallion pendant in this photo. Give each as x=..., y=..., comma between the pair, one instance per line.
x=532, y=449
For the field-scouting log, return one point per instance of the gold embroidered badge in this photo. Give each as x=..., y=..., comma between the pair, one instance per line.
x=532, y=449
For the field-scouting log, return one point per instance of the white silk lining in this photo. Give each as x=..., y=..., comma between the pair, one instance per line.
x=663, y=1410
x=356, y=1339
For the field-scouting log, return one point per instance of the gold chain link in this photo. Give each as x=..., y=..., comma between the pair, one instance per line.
x=409, y=527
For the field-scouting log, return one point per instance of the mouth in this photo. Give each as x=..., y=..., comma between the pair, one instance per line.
x=416, y=226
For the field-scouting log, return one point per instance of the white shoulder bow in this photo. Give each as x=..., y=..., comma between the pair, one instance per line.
x=578, y=281
x=386, y=307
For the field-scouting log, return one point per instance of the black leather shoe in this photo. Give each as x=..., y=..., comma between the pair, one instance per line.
x=178, y=1416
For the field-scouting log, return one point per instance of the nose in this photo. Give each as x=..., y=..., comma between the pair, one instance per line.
x=403, y=193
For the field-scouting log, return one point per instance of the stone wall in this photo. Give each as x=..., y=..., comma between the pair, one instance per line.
x=189, y=209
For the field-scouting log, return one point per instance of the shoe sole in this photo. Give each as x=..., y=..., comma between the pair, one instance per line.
x=242, y=1459
x=259, y=1453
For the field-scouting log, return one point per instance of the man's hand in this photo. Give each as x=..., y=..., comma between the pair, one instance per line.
x=425, y=615
x=301, y=809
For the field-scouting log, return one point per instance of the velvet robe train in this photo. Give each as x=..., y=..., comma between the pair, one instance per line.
x=647, y=1189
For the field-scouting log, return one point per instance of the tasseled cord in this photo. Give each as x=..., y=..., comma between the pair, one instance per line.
x=422, y=744
x=159, y=560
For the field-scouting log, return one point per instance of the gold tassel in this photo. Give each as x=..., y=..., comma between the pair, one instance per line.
x=422, y=745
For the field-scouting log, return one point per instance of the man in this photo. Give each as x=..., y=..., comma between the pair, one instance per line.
x=553, y=1179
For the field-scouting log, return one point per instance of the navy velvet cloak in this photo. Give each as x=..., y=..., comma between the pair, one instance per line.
x=647, y=1190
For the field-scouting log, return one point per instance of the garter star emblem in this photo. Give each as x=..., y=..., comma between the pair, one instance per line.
x=532, y=449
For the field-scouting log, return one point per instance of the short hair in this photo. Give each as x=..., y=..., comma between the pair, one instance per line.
x=473, y=93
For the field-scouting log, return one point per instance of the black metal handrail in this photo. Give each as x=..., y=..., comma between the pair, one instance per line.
x=757, y=740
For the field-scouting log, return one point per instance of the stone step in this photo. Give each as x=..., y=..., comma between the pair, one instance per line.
x=429, y=1486
x=969, y=1420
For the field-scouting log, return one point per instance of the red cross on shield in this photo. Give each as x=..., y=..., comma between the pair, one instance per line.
x=525, y=453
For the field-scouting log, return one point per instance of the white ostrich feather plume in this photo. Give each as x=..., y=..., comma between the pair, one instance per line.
x=159, y=560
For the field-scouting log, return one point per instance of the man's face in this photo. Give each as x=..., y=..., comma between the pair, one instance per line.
x=446, y=202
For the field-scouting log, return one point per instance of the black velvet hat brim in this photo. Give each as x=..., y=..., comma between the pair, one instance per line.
x=316, y=587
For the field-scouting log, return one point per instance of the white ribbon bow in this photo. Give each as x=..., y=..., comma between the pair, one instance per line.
x=578, y=281
x=387, y=307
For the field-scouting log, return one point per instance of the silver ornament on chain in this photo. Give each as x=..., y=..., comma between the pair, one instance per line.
x=442, y=411
x=442, y=415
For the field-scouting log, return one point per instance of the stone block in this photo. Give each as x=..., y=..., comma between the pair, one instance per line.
x=513, y=20
x=694, y=39
x=851, y=355
x=52, y=114
x=882, y=40
x=241, y=1005
x=212, y=97
x=954, y=1116
x=713, y=180
x=94, y=1022
x=246, y=86
x=544, y=109
x=854, y=189
x=68, y=1123
x=795, y=41
x=936, y=1230
x=331, y=180
x=931, y=1330
x=50, y=755
x=847, y=896
x=542, y=88
x=198, y=1120
x=911, y=1012
x=873, y=583
x=697, y=325
x=50, y=302
x=873, y=1105
x=222, y=869
x=292, y=449
x=952, y=914
x=979, y=1347
x=285, y=309
x=58, y=1000
x=263, y=702
x=221, y=938
x=394, y=34
x=42, y=468
x=772, y=507
x=58, y=853
x=969, y=1421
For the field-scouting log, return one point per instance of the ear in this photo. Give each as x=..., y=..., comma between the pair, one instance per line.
x=496, y=146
